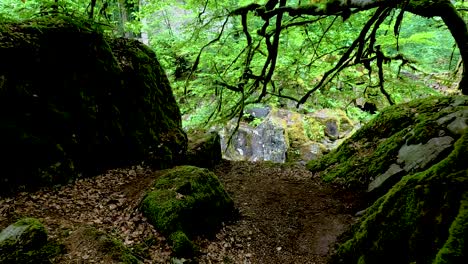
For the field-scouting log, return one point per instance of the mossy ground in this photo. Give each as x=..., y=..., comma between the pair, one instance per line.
x=187, y=201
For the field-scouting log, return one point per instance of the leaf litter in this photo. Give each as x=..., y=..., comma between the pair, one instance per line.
x=286, y=215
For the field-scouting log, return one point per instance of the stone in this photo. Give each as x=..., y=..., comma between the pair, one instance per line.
x=392, y=173
x=458, y=126
x=332, y=129
x=422, y=219
x=22, y=241
x=417, y=157
x=259, y=112
x=204, y=149
x=309, y=151
x=266, y=142
x=285, y=135
x=273, y=143
x=82, y=104
x=184, y=202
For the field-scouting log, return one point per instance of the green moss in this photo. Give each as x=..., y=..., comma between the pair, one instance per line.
x=26, y=242
x=181, y=244
x=187, y=199
x=314, y=130
x=111, y=247
x=422, y=219
x=374, y=147
x=455, y=248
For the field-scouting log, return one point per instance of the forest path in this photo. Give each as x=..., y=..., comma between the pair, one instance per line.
x=286, y=215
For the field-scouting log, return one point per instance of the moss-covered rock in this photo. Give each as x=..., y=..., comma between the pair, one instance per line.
x=26, y=242
x=204, y=149
x=403, y=136
x=73, y=101
x=422, y=219
x=184, y=202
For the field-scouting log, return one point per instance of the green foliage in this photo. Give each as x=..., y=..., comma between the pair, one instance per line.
x=304, y=56
x=178, y=31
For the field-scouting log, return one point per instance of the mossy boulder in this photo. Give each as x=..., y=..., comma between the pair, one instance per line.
x=26, y=242
x=401, y=140
x=204, y=149
x=73, y=101
x=184, y=202
x=422, y=219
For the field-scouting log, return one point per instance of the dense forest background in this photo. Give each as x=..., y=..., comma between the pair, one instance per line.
x=223, y=57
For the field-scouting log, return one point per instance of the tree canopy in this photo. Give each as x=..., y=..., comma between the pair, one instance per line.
x=225, y=55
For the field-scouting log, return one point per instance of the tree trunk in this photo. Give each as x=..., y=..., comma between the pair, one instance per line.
x=459, y=30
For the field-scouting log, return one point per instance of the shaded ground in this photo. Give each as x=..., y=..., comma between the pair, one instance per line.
x=286, y=215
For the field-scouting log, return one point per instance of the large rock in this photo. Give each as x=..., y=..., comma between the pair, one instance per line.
x=285, y=135
x=184, y=202
x=412, y=136
x=73, y=101
x=266, y=142
x=422, y=219
x=412, y=160
x=26, y=242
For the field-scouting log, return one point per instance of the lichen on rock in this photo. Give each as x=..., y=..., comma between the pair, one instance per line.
x=184, y=202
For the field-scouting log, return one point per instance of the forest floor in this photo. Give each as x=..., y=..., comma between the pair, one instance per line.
x=287, y=215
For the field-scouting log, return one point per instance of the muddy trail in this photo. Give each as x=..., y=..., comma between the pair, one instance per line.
x=287, y=215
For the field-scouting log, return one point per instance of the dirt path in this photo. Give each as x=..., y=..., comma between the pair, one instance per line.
x=286, y=215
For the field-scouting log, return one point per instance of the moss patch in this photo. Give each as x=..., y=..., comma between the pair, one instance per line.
x=26, y=242
x=373, y=148
x=422, y=219
x=184, y=202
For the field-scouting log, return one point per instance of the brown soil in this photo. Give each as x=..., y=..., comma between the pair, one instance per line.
x=287, y=215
